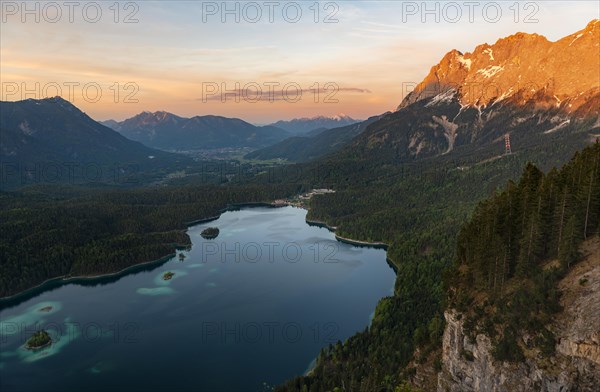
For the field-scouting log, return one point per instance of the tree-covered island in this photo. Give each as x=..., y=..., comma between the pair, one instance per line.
x=210, y=233
x=39, y=340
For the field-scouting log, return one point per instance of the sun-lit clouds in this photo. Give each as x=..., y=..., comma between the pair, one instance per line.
x=171, y=52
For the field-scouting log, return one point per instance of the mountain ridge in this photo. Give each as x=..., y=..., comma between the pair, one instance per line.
x=445, y=116
x=167, y=131
x=314, y=144
x=52, y=132
x=494, y=72
x=304, y=125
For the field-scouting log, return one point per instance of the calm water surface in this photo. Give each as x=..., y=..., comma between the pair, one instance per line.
x=243, y=312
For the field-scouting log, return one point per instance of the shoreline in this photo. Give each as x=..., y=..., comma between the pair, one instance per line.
x=64, y=279
x=333, y=229
x=38, y=348
x=381, y=245
x=232, y=207
x=73, y=279
x=320, y=224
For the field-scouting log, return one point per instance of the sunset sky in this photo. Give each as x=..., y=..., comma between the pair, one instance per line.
x=174, y=49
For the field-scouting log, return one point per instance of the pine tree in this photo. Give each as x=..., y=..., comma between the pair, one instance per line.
x=591, y=187
x=568, y=246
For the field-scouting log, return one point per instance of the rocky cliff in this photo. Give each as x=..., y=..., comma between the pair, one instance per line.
x=469, y=365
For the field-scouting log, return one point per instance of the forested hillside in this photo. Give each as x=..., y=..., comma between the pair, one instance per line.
x=52, y=141
x=502, y=267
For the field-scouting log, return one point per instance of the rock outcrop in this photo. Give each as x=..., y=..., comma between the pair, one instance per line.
x=470, y=366
x=579, y=324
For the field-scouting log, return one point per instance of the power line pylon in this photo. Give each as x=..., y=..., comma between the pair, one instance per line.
x=507, y=149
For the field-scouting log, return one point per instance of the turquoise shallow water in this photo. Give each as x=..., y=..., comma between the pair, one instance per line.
x=243, y=312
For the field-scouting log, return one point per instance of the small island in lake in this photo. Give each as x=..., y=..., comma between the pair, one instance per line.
x=210, y=233
x=45, y=309
x=39, y=340
x=181, y=257
x=168, y=275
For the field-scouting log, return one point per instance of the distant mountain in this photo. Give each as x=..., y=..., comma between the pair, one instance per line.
x=302, y=126
x=315, y=132
x=53, y=131
x=315, y=144
x=112, y=124
x=167, y=131
x=535, y=90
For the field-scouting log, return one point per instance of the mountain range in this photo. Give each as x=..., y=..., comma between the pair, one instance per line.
x=167, y=131
x=523, y=85
x=313, y=125
x=54, y=131
x=314, y=144
x=521, y=66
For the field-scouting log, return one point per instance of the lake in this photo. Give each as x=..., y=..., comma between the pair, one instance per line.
x=243, y=312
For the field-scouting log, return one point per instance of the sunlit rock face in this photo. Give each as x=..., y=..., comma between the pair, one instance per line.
x=520, y=66
x=524, y=85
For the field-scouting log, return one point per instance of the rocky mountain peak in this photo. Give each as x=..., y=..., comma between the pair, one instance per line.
x=151, y=119
x=522, y=64
x=594, y=25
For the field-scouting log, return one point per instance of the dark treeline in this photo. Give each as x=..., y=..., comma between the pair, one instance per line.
x=48, y=232
x=506, y=250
